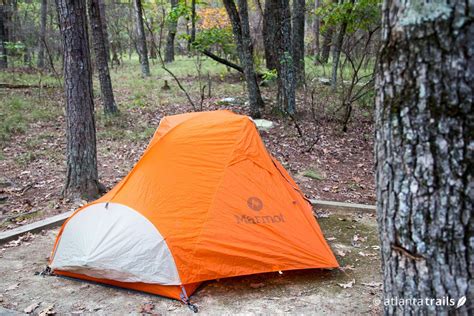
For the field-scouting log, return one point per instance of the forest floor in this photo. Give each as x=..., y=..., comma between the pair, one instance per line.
x=353, y=289
x=326, y=162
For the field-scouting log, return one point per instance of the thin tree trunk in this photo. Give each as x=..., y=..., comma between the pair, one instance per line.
x=100, y=50
x=141, y=38
x=287, y=82
x=316, y=23
x=424, y=152
x=42, y=35
x=271, y=34
x=193, y=21
x=105, y=31
x=241, y=30
x=172, y=27
x=3, y=36
x=337, y=50
x=327, y=43
x=82, y=177
x=298, y=19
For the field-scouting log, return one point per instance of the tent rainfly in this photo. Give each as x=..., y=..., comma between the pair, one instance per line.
x=205, y=201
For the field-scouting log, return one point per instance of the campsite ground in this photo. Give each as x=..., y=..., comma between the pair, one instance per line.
x=327, y=163
x=355, y=288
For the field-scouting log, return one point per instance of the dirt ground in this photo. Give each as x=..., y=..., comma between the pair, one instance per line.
x=326, y=163
x=355, y=288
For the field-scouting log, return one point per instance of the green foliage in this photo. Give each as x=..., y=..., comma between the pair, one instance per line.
x=270, y=75
x=216, y=38
x=181, y=10
x=360, y=15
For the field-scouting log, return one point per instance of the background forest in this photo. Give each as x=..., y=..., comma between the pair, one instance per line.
x=162, y=58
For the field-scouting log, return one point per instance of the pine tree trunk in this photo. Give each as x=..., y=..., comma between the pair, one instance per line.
x=286, y=76
x=82, y=177
x=105, y=31
x=298, y=19
x=42, y=35
x=271, y=34
x=424, y=151
x=101, y=58
x=241, y=30
x=141, y=38
x=3, y=36
x=172, y=27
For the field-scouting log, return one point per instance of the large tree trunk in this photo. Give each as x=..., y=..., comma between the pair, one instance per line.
x=286, y=77
x=271, y=34
x=241, y=30
x=82, y=177
x=424, y=151
x=141, y=38
x=3, y=36
x=172, y=27
x=101, y=58
x=42, y=35
x=298, y=19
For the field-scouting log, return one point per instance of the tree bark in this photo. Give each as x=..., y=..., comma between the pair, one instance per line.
x=42, y=35
x=424, y=152
x=241, y=30
x=338, y=48
x=298, y=19
x=141, y=38
x=316, y=31
x=105, y=31
x=286, y=77
x=81, y=178
x=101, y=58
x=3, y=36
x=172, y=28
x=327, y=43
x=271, y=34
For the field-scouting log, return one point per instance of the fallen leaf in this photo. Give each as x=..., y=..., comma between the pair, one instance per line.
x=147, y=308
x=13, y=286
x=347, y=285
x=341, y=253
x=346, y=268
x=31, y=308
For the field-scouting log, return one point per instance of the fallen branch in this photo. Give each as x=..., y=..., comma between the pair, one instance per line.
x=23, y=86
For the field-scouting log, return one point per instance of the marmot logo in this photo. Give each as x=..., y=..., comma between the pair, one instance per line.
x=254, y=203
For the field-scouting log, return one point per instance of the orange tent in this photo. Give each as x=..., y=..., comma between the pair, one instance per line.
x=205, y=201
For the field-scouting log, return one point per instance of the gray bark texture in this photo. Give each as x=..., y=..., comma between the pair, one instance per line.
x=424, y=154
x=316, y=31
x=172, y=28
x=326, y=45
x=101, y=57
x=298, y=19
x=81, y=177
x=3, y=36
x=42, y=35
x=271, y=34
x=241, y=29
x=105, y=31
x=286, y=76
x=141, y=38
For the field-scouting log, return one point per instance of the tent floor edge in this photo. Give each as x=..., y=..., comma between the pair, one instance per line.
x=170, y=291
